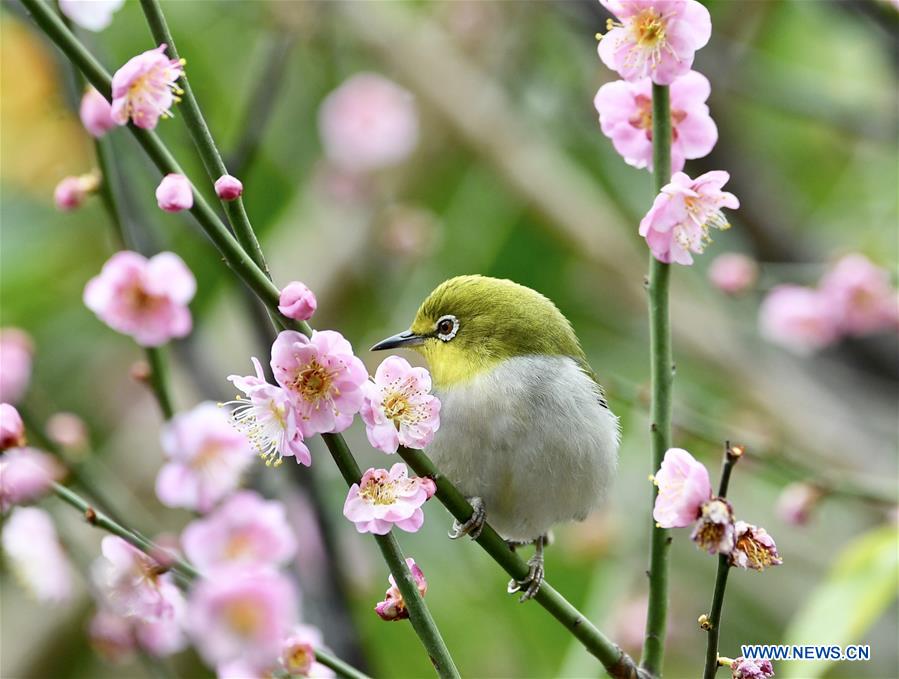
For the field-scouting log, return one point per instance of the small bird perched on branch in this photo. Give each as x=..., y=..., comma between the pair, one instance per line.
x=525, y=432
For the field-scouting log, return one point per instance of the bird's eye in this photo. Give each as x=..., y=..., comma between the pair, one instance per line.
x=447, y=327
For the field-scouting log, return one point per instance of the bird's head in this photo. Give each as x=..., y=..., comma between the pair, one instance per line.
x=469, y=324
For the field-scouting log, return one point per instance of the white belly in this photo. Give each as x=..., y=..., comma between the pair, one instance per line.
x=531, y=439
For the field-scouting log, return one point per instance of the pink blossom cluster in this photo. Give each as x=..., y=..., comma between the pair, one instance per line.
x=685, y=497
x=653, y=43
x=16, y=351
x=855, y=297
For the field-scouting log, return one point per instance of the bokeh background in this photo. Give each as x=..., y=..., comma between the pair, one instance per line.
x=511, y=178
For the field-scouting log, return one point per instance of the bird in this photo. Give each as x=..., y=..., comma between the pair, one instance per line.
x=526, y=433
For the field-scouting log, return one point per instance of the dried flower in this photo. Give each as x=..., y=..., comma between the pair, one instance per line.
x=753, y=548
x=398, y=409
x=714, y=532
x=393, y=607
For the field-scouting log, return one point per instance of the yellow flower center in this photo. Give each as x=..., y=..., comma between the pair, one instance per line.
x=378, y=490
x=313, y=382
x=238, y=545
x=244, y=617
x=649, y=28
x=759, y=557
x=299, y=659
x=395, y=406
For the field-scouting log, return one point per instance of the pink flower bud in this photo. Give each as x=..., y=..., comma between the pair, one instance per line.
x=12, y=429
x=71, y=191
x=749, y=668
x=393, y=607
x=67, y=430
x=228, y=187
x=297, y=301
x=16, y=349
x=174, y=193
x=733, y=273
x=96, y=113
x=796, y=502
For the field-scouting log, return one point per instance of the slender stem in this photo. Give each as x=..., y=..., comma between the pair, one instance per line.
x=712, y=625
x=618, y=663
x=159, y=381
x=419, y=615
x=202, y=137
x=102, y=521
x=342, y=668
x=661, y=370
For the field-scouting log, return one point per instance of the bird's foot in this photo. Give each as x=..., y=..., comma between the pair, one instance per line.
x=475, y=523
x=530, y=584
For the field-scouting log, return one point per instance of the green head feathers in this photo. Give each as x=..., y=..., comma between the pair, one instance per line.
x=468, y=324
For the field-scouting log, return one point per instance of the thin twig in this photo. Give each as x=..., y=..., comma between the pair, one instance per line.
x=712, y=623
x=343, y=669
x=662, y=376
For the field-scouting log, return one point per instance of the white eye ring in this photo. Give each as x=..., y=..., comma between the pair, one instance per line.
x=447, y=336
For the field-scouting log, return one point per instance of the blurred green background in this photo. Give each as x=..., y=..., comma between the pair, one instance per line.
x=512, y=178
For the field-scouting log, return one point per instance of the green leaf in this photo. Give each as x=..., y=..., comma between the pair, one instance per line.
x=860, y=586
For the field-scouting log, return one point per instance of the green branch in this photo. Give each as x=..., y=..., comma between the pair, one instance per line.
x=202, y=137
x=342, y=668
x=97, y=518
x=662, y=374
x=712, y=623
x=616, y=662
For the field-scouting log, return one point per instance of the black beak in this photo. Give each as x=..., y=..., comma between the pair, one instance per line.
x=403, y=339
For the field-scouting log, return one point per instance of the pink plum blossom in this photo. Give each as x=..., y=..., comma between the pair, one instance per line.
x=798, y=318
x=684, y=487
x=15, y=364
x=35, y=555
x=95, y=113
x=383, y=499
x=228, y=187
x=750, y=668
x=714, y=532
x=94, y=15
x=753, y=548
x=733, y=273
x=174, y=193
x=241, y=615
x=12, y=429
x=245, y=530
x=71, y=192
x=26, y=475
x=322, y=378
x=164, y=637
x=796, y=503
x=682, y=214
x=393, y=607
x=144, y=298
x=111, y=636
x=67, y=430
x=398, y=407
x=206, y=459
x=132, y=584
x=298, y=653
x=625, y=116
x=297, y=301
x=144, y=89
x=266, y=417
x=655, y=38
x=863, y=299
x=368, y=123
